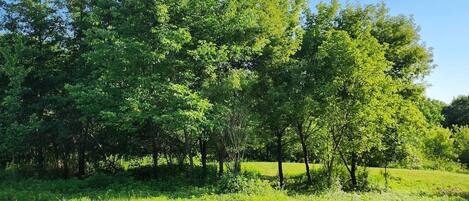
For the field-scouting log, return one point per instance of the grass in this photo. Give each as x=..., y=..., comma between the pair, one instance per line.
x=405, y=185
x=402, y=180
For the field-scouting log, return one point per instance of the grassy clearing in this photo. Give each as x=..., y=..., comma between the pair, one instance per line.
x=405, y=185
x=402, y=180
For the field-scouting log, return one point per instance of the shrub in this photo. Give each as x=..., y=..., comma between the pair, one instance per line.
x=242, y=183
x=363, y=180
x=461, y=143
x=443, y=164
x=321, y=182
x=439, y=143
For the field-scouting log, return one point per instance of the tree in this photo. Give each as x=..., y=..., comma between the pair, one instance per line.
x=457, y=113
x=403, y=60
x=433, y=111
x=353, y=93
x=411, y=59
x=272, y=100
x=127, y=57
x=15, y=127
x=402, y=127
x=307, y=75
x=231, y=94
x=37, y=31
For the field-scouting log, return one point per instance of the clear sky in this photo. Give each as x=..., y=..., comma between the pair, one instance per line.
x=445, y=28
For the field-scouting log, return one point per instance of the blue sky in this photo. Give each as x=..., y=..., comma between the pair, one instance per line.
x=445, y=28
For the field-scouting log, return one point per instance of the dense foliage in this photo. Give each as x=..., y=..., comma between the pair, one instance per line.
x=84, y=84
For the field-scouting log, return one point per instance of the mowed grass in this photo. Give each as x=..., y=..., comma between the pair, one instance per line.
x=401, y=180
x=270, y=168
x=429, y=181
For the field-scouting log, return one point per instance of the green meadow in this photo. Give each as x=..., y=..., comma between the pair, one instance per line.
x=403, y=185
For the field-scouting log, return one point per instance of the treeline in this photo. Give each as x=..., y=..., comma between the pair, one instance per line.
x=84, y=83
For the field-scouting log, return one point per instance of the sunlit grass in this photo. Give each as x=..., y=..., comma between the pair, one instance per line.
x=402, y=180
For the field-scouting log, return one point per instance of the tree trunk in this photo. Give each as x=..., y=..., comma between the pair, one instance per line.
x=353, y=165
x=171, y=163
x=306, y=159
x=180, y=158
x=169, y=160
x=203, y=153
x=57, y=156
x=65, y=164
x=330, y=168
x=279, y=158
x=154, y=155
x=40, y=160
x=353, y=170
x=386, y=175
x=305, y=151
x=237, y=164
x=81, y=160
x=191, y=160
x=220, y=162
x=187, y=148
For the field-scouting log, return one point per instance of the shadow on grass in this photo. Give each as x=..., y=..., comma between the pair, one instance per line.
x=171, y=182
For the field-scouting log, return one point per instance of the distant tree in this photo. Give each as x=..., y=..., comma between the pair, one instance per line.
x=457, y=113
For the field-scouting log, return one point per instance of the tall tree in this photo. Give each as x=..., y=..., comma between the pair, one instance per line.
x=39, y=29
x=356, y=87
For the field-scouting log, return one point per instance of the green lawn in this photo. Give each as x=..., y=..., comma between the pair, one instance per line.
x=402, y=180
x=405, y=185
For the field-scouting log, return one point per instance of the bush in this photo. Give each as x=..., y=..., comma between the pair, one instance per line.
x=340, y=180
x=443, y=164
x=461, y=143
x=321, y=182
x=363, y=180
x=439, y=143
x=242, y=183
